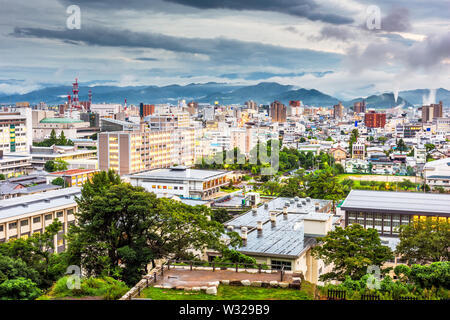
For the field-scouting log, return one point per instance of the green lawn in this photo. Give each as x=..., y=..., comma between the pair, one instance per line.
x=226, y=292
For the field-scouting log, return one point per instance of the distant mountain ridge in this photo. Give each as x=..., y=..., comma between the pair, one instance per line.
x=224, y=93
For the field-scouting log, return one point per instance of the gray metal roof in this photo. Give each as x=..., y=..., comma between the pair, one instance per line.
x=400, y=202
x=250, y=218
x=284, y=239
x=37, y=202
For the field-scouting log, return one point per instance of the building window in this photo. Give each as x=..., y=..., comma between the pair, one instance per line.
x=1, y=228
x=36, y=219
x=48, y=217
x=13, y=225
x=277, y=265
x=69, y=211
x=23, y=223
x=59, y=214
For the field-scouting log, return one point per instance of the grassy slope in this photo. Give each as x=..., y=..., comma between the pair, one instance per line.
x=226, y=292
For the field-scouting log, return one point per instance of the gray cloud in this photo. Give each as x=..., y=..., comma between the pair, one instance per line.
x=336, y=32
x=428, y=54
x=396, y=21
x=215, y=50
x=308, y=9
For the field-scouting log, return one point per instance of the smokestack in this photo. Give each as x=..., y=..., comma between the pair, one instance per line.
x=259, y=227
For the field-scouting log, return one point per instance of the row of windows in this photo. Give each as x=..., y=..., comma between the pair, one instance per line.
x=166, y=187
x=59, y=214
x=386, y=224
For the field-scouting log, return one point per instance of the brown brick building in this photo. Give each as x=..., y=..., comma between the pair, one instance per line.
x=373, y=119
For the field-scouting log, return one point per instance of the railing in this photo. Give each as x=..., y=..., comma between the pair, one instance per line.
x=370, y=297
x=336, y=294
x=225, y=266
x=407, y=298
x=145, y=282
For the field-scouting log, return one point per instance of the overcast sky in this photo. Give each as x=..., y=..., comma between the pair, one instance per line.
x=321, y=44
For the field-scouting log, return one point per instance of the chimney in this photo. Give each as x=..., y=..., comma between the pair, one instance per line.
x=259, y=227
x=273, y=218
x=244, y=236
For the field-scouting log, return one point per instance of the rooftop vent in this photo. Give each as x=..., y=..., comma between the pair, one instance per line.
x=273, y=218
x=254, y=212
x=259, y=227
x=266, y=206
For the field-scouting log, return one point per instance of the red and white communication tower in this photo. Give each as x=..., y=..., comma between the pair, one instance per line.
x=75, y=90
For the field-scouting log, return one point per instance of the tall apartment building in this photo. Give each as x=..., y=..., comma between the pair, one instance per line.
x=134, y=151
x=251, y=105
x=15, y=131
x=359, y=107
x=128, y=152
x=146, y=109
x=164, y=122
x=338, y=111
x=373, y=119
x=278, y=111
x=432, y=111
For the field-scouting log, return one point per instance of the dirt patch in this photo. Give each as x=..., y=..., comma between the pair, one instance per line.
x=199, y=278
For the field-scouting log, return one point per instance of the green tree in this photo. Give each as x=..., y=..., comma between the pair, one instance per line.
x=425, y=241
x=19, y=289
x=351, y=250
x=58, y=182
x=122, y=228
x=221, y=215
x=271, y=187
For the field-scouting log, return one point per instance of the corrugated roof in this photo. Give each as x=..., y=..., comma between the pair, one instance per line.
x=60, y=120
x=402, y=202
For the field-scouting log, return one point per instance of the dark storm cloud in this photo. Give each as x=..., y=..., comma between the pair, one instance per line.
x=308, y=9
x=146, y=59
x=217, y=50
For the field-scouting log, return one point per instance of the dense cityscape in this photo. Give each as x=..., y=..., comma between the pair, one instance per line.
x=223, y=191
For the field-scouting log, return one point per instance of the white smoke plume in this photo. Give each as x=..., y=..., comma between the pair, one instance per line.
x=430, y=99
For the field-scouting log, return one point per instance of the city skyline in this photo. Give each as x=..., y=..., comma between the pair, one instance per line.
x=321, y=44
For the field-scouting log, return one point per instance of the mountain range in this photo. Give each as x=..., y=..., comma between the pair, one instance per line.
x=224, y=93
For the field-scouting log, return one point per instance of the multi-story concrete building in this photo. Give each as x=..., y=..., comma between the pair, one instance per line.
x=73, y=177
x=40, y=155
x=437, y=173
x=432, y=111
x=373, y=119
x=73, y=129
x=13, y=164
x=338, y=111
x=278, y=111
x=385, y=211
x=135, y=151
x=164, y=122
x=181, y=181
x=33, y=213
x=282, y=232
x=15, y=131
x=359, y=107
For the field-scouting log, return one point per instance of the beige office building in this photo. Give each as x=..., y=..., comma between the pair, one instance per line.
x=33, y=213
